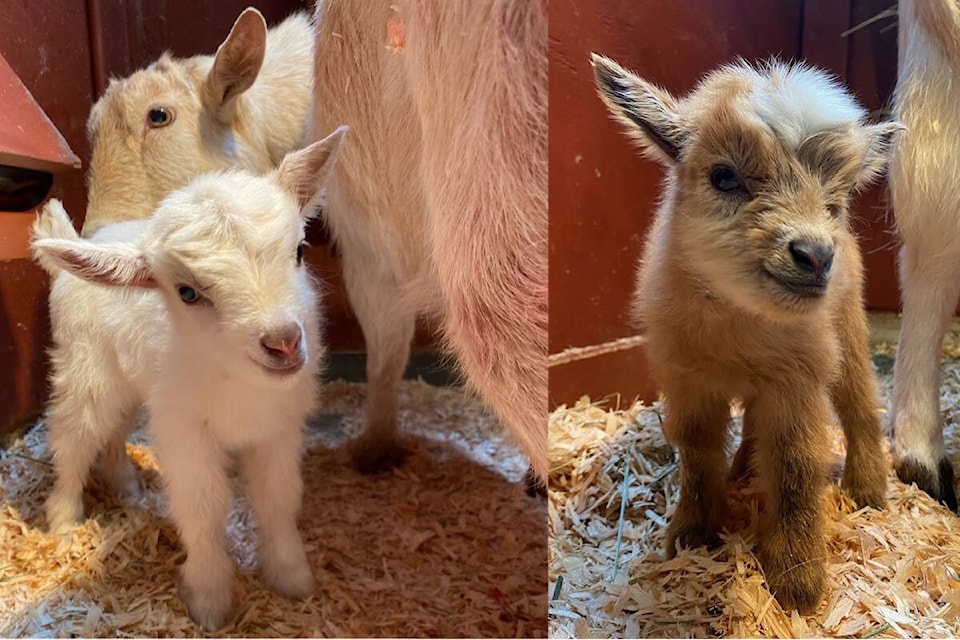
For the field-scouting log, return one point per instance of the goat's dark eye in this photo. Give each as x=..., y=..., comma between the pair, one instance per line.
x=188, y=294
x=160, y=116
x=724, y=178
x=299, y=254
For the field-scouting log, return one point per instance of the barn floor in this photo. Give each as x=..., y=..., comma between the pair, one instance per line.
x=448, y=545
x=894, y=573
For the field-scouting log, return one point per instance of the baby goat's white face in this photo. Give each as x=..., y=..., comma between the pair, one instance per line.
x=227, y=256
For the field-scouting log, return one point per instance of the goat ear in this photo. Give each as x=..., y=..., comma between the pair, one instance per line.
x=236, y=65
x=878, y=145
x=303, y=173
x=650, y=114
x=114, y=265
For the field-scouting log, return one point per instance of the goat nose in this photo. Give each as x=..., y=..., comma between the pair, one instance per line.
x=812, y=257
x=285, y=342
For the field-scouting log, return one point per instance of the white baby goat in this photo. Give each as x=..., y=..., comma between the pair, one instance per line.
x=209, y=318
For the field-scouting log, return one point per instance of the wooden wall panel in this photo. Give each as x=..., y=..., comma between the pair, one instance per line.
x=601, y=192
x=46, y=44
x=871, y=73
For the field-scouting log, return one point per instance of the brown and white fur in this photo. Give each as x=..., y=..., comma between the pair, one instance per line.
x=205, y=314
x=750, y=288
x=925, y=188
x=439, y=204
x=245, y=107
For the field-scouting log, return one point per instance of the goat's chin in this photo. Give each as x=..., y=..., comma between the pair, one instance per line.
x=278, y=378
x=276, y=375
x=757, y=295
x=784, y=304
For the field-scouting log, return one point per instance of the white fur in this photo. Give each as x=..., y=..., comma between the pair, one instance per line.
x=797, y=101
x=200, y=369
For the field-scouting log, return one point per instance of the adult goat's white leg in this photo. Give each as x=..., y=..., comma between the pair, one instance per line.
x=930, y=294
x=275, y=488
x=388, y=328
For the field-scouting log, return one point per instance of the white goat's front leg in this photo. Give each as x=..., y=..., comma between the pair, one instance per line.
x=388, y=328
x=80, y=428
x=192, y=462
x=275, y=488
x=930, y=286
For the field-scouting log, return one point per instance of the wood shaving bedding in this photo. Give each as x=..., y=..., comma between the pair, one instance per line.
x=447, y=545
x=891, y=573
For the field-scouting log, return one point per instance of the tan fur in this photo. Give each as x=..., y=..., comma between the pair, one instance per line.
x=246, y=107
x=925, y=191
x=940, y=20
x=722, y=325
x=439, y=202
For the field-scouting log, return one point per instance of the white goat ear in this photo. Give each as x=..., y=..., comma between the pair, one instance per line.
x=879, y=140
x=236, y=65
x=650, y=114
x=303, y=173
x=116, y=265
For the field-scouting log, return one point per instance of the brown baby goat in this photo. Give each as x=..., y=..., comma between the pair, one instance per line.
x=750, y=288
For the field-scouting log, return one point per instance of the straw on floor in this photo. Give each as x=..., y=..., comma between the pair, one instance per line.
x=892, y=573
x=447, y=545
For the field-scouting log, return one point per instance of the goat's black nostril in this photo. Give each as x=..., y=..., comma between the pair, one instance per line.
x=812, y=257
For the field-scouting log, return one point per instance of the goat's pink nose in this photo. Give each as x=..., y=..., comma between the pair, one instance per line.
x=285, y=342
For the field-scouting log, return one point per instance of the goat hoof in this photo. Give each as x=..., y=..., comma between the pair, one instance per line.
x=800, y=588
x=371, y=457
x=792, y=563
x=63, y=515
x=122, y=480
x=63, y=528
x=867, y=490
x=690, y=535
x=535, y=486
x=796, y=585
x=937, y=483
x=294, y=581
x=209, y=608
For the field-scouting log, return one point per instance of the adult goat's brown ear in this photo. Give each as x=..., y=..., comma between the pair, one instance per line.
x=650, y=114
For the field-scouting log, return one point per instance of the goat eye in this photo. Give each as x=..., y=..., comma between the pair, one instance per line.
x=160, y=117
x=188, y=294
x=725, y=179
x=299, y=254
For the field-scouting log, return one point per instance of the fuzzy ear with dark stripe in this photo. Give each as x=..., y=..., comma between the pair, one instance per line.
x=116, y=265
x=879, y=139
x=650, y=114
